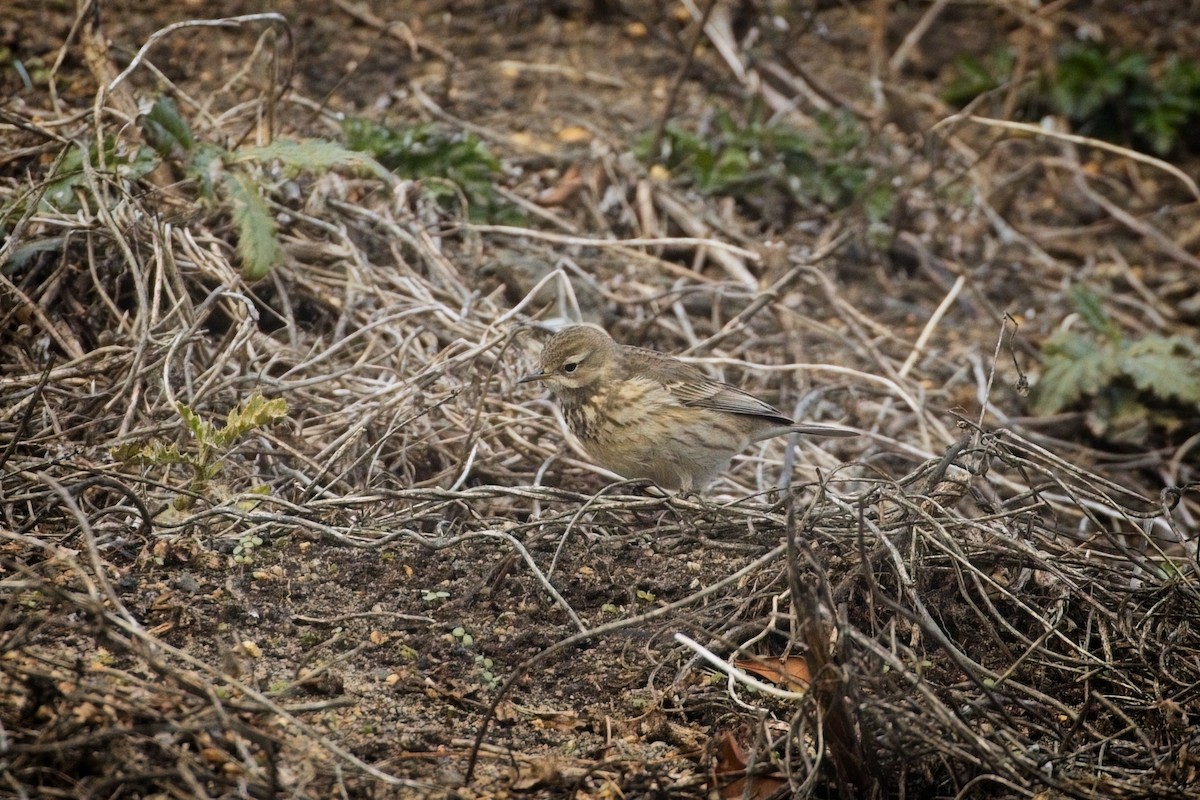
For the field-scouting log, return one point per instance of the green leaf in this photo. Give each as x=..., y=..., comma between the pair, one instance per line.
x=166, y=130
x=205, y=165
x=1091, y=310
x=153, y=452
x=257, y=242
x=1159, y=126
x=1088, y=79
x=119, y=163
x=1076, y=367
x=60, y=191
x=1167, y=367
x=25, y=253
x=765, y=165
x=1123, y=98
x=201, y=430
x=727, y=169
x=423, y=151
x=256, y=412
x=974, y=76
x=312, y=155
x=880, y=202
x=428, y=153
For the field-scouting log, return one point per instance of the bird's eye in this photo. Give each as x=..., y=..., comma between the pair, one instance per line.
x=570, y=366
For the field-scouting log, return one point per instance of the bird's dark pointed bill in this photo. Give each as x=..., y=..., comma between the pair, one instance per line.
x=537, y=376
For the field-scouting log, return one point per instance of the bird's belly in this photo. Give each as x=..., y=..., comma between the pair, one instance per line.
x=674, y=446
x=638, y=457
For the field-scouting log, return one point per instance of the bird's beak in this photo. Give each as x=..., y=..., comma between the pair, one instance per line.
x=536, y=376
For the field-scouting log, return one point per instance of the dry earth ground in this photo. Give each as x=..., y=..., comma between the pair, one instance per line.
x=988, y=603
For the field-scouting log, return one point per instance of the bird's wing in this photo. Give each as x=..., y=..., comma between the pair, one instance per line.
x=724, y=397
x=693, y=388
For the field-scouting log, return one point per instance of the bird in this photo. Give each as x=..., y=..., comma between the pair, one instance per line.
x=647, y=415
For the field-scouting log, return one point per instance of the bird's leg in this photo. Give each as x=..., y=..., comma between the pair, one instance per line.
x=646, y=486
x=687, y=489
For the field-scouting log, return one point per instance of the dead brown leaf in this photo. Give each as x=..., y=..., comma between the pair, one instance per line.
x=790, y=673
x=731, y=761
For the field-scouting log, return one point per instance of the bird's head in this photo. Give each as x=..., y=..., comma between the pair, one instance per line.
x=576, y=359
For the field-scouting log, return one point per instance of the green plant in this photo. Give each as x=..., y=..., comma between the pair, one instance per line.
x=451, y=166
x=243, y=551
x=1175, y=116
x=975, y=75
x=1121, y=97
x=210, y=444
x=486, y=671
x=1116, y=95
x=483, y=663
x=68, y=186
x=1129, y=386
x=33, y=71
x=1089, y=81
x=117, y=161
x=760, y=163
x=237, y=180
x=464, y=638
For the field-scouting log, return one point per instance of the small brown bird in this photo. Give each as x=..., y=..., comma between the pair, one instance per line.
x=644, y=414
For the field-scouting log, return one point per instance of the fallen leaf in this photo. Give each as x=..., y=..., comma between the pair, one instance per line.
x=566, y=188
x=574, y=134
x=731, y=760
x=790, y=672
x=536, y=773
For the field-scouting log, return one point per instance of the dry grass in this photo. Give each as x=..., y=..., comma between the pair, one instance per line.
x=982, y=609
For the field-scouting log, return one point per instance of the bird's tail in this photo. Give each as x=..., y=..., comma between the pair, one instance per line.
x=815, y=429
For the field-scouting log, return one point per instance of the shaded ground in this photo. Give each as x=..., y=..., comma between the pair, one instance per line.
x=999, y=611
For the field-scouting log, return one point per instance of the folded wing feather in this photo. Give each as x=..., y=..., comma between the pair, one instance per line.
x=695, y=389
